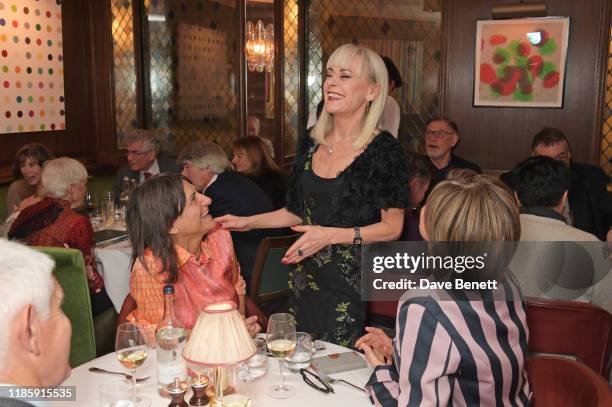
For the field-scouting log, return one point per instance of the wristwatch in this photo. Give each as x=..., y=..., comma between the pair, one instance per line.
x=357, y=239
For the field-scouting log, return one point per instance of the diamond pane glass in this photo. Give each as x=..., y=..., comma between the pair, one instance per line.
x=606, y=131
x=408, y=32
x=190, y=54
x=291, y=72
x=126, y=116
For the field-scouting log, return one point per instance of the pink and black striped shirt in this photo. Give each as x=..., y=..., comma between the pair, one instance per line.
x=451, y=350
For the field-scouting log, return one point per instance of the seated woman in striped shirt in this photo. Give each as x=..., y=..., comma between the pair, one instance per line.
x=456, y=347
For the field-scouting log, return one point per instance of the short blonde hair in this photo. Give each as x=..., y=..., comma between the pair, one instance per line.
x=59, y=174
x=471, y=207
x=205, y=155
x=374, y=68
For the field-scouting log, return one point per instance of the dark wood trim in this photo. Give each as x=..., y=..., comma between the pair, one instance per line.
x=142, y=64
x=601, y=73
x=279, y=79
x=447, y=13
x=303, y=64
x=241, y=90
x=102, y=89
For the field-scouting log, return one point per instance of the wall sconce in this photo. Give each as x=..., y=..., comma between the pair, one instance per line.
x=519, y=10
x=259, y=46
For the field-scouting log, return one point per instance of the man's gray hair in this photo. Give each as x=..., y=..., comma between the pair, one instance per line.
x=25, y=278
x=205, y=155
x=149, y=140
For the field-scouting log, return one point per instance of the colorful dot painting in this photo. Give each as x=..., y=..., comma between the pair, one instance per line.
x=31, y=66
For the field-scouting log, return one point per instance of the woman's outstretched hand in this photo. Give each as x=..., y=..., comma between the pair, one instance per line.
x=313, y=239
x=231, y=222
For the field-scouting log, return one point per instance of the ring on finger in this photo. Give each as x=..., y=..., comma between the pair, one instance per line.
x=300, y=253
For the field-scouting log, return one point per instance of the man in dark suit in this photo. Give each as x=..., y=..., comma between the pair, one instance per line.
x=590, y=203
x=142, y=160
x=209, y=168
x=441, y=137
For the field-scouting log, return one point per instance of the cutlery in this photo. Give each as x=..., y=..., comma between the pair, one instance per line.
x=331, y=380
x=127, y=376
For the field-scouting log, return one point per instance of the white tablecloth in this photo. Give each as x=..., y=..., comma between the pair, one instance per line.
x=113, y=263
x=88, y=385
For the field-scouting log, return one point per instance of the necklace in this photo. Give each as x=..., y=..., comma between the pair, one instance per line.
x=330, y=148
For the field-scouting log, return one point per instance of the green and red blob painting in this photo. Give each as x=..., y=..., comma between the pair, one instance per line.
x=521, y=62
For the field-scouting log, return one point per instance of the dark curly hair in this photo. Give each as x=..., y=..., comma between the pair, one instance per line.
x=35, y=151
x=540, y=181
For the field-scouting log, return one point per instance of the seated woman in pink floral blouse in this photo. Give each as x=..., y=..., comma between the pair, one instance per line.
x=175, y=241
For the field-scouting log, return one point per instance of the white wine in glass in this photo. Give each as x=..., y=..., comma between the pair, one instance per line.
x=281, y=342
x=131, y=350
x=281, y=348
x=132, y=359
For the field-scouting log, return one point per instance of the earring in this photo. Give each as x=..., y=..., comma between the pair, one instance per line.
x=368, y=107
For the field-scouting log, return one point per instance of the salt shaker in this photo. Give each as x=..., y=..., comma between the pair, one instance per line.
x=177, y=390
x=198, y=385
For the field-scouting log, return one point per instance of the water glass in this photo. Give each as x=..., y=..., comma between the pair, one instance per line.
x=257, y=365
x=97, y=218
x=116, y=393
x=237, y=400
x=304, y=348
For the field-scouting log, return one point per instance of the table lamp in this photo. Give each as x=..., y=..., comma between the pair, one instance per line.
x=219, y=338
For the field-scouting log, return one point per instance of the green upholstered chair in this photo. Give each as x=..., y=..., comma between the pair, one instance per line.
x=70, y=274
x=270, y=279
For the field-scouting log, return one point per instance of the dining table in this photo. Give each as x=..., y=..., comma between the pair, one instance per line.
x=88, y=384
x=113, y=264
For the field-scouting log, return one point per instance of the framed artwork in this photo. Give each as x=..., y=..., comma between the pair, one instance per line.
x=31, y=67
x=520, y=62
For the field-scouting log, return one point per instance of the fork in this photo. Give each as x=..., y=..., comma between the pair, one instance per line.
x=331, y=380
x=127, y=376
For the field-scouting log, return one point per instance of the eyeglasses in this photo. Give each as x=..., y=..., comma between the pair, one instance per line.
x=138, y=153
x=437, y=134
x=308, y=377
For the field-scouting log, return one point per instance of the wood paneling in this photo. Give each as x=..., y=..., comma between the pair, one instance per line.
x=89, y=134
x=498, y=138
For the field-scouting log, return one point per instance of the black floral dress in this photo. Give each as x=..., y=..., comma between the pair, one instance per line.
x=325, y=289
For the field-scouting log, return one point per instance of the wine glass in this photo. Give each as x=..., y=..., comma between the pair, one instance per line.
x=131, y=351
x=90, y=202
x=281, y=342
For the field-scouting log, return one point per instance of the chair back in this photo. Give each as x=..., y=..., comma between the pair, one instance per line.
x=563, y=382
x=270, y=279
x=70, y=273
x=570, y=328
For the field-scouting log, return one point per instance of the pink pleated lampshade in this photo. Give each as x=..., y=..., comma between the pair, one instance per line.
x=219, y=337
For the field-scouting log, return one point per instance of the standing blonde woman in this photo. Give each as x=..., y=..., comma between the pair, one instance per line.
x=349, y=184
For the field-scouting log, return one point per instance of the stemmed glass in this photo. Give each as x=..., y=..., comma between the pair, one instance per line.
x=281, y=342
x=90, y=202
x=131, y=351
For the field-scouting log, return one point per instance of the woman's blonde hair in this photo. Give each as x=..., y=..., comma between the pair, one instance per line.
x=471, y=207
x=374, y=68
x=59, y=174
x=257, y=154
